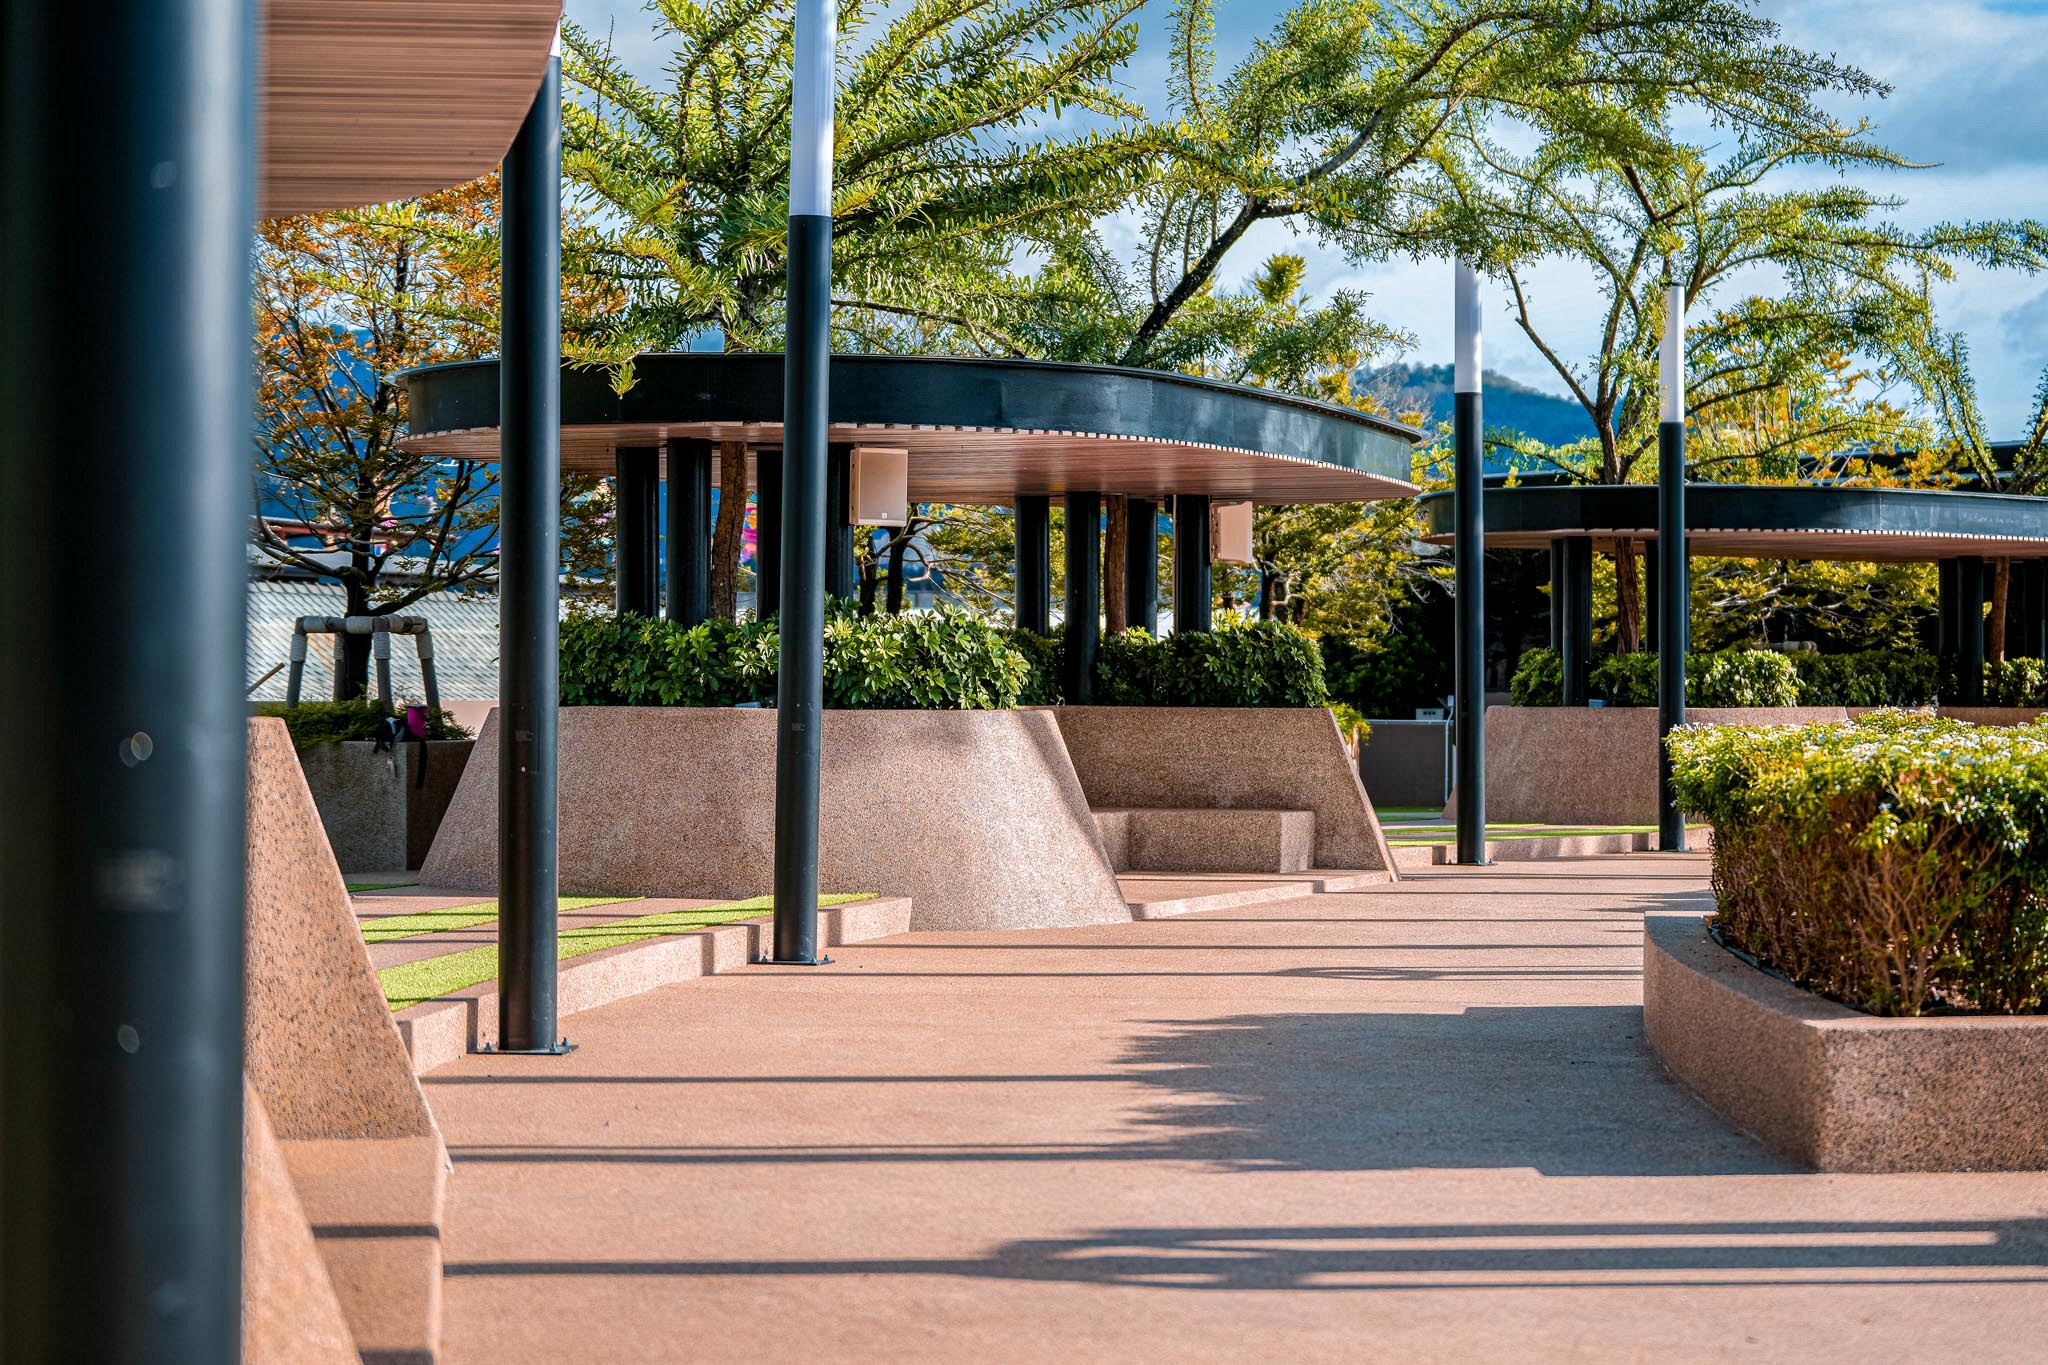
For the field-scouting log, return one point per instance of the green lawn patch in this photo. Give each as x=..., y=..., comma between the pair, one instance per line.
x=429, y=978
x=1499, y=832
x=391, y=927
x=378, y=886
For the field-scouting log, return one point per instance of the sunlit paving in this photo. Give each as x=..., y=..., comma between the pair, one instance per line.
x=1023, y=680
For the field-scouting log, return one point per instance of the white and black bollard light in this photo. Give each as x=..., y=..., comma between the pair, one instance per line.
x=800, y=686
x=1674, y=598
x=1469, y=476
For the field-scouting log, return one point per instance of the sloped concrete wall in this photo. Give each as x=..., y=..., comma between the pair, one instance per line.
x=976, y=816
x=1228, y=758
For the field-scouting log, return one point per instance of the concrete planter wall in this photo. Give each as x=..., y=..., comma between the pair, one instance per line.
x=1834, y=1089
x=381, y=809
x=975, y=815
x=1570, y=765
x=1228, y=758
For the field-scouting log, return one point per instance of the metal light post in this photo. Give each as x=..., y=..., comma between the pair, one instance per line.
x=800, y=687
x=1674, y=605
x=1469, y=472
x=529, y=532
x=128, y=134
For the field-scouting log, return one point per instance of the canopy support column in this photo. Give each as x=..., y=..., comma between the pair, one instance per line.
x=636, y=524
x=126, y=212
x=1193, y=588
x=1033, y=524
x=1141, y=565
x=1576, y=634
x=1970, y=629
x=1556, y=596
x=688, y=542
x=1084, y=595
x=842, y=576
x=767, y=533
x=529, y=520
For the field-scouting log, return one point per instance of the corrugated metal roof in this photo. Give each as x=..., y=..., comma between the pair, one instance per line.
x=465, y=628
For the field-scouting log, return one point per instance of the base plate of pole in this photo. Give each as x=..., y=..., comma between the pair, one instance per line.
x=765, y=961
x=560, y=1049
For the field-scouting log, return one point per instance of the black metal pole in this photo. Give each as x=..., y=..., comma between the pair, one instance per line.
x=842, y=576
x=688, y=542
x=1193, y=588
x=636, y=541
x=1557, y=592
x=1033, y=524
x=1947, y=611
x=1469, y=670
x=1141, y=565
x=800, y=688
x=1084, y=595
x=1970, y=625
x=1674, y=609
x=529, y=530
x=130, y=150
x=767, y=534
x=1576, y=652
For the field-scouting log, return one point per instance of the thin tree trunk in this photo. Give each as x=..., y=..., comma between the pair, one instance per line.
x=899, y=546
x=1994, y=628
x=729, y=529
x=352, y=652
x=1628, y=598
x=1116, y=615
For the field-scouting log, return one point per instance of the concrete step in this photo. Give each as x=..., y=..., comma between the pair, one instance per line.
x=1204, y=840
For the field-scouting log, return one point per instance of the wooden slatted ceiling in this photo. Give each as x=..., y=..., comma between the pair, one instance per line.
x=1864, y=547
x=366, y=101
x=980, y=465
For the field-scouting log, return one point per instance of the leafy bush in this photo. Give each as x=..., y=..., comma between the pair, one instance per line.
x=1625, y=679
x=1262, y=663
x=1044, y=657
x=2015, y=682
x=926, y=661
x=1127, y=669
x=1875, y=677
x=1393, y=675
x=331, y=722
x=1740, y=677
x=1538, y=679
x=1897, y=864
x=1350, y=722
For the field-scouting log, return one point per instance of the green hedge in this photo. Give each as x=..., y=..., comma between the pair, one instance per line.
x=331, y=722
x=1898, y=864
x=2015, y=682
x=1262, y=663
x=925, y=661
x=1756, y=677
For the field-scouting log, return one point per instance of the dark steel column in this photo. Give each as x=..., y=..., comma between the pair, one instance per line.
x=767, y=533
x=1556, y=595
x=1141, y=565
x=125, y=211
x=687, y=545
x=1193, y=589
x=1084, y=595
x=636, y=526
x=1469, y=662
x=1948, y=614
x=1576, y=652
x=1033, y=519
x=1970, y=628
x=800, y=686
x=842, y=577
x=529, y=531
x=1672, y=579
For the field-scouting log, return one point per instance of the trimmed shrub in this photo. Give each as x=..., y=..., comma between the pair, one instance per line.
x=1262, y=663
x=1898, y=864
x=331, y=722
x=2015, y=682
x=1740, y=677
x=1874, y=677
x=926, y=661
x=1044, y=657
x=1625, y=679
x=1128, y=667
x=1392, y=675
x=1538, y=679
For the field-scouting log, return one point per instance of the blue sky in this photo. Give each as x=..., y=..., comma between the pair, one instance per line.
x=1970, y=93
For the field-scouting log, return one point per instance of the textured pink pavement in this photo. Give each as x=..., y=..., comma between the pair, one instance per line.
x=1416, y=1122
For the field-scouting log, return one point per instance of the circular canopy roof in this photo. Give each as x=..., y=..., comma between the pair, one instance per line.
x=1767, y=521
x=978, y=431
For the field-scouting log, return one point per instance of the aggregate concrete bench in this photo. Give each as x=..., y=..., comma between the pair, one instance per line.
x=325, y=1060
x=1208, y=840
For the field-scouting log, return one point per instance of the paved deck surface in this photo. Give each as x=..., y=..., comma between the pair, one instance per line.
x=1411, y=1123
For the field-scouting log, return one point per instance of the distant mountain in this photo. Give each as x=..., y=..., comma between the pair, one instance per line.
x=1508, y=403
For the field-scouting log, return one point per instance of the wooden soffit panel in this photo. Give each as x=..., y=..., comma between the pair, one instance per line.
x=366, y=101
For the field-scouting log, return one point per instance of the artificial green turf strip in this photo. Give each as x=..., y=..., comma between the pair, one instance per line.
x=379, y=886
x=389, y=927
x=429, y=978
x=1567, y=832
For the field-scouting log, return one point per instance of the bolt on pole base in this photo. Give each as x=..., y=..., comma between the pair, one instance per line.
x=766, y=961
x=561, y=1049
